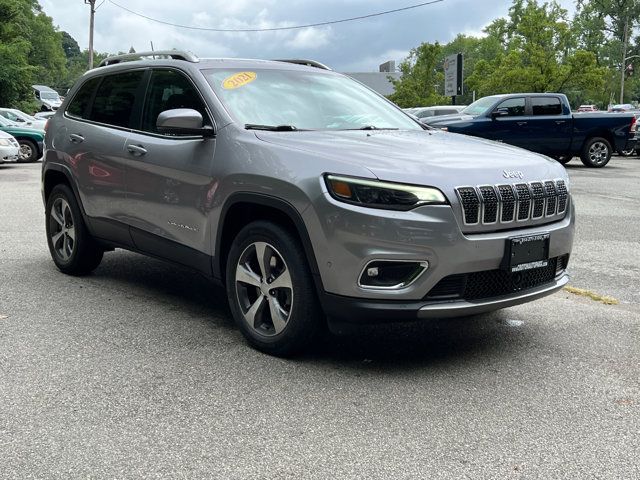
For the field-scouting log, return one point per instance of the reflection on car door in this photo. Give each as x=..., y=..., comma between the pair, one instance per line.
x=512, y=128
x=170, y=184
x=97, y=127
x=549, y=127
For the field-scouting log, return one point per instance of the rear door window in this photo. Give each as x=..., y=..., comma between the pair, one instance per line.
x=79, y=106
x=169, y=90
x=516, y=107
x=546, y=106
x=115, y=98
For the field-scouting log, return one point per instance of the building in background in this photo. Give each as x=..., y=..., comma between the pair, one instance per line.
x=379, y=81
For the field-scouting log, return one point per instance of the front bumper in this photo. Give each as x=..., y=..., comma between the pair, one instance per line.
x=9, y=154
x=344, y=310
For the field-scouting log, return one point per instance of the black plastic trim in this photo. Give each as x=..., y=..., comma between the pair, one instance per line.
x=283, y=206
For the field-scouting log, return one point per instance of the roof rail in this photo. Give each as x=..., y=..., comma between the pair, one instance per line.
x=158, y=54
x=308, y=63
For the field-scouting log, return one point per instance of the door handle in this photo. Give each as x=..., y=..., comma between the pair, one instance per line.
x=75, y=138
x=136, y=150
x=560, y=122
x=522, y=123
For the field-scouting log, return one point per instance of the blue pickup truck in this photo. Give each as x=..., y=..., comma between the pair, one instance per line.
x=543, y=123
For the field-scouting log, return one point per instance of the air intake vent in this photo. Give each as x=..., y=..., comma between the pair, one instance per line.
x=489, y=205
x=470, y=205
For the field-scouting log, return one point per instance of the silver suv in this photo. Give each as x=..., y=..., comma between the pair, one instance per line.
x=312, y=199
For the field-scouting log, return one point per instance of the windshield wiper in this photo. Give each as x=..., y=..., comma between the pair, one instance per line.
x=373, y=127
x=271, y=128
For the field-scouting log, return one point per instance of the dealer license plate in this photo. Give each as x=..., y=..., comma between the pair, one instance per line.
x=527, y=253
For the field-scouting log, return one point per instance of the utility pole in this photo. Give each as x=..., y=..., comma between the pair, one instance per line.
x=624, y=59
x=92, y=5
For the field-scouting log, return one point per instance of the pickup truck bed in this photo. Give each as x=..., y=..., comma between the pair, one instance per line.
x=543, y=123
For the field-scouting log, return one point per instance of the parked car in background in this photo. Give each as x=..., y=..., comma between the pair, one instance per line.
x=30, y=139
x=437, y=111
x=9, y=148
x=543, y=123
x=44, y=115
x=587, y=108
x=47, y=97
x=626, y=107
x=23, y=119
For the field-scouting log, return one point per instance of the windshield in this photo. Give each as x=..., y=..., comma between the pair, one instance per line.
x=480, y=106
x=304, y=100
x=49, y=96
x=5, y=122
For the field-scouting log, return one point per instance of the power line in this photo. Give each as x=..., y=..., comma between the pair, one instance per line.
x=274, y=29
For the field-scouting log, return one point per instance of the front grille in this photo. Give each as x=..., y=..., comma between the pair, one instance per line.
x=489, y=204
x=492, y=283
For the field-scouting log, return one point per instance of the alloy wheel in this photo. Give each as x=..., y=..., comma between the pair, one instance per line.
x=62, y=229
x=25, y=151
x=598, y=153
x=264, y=289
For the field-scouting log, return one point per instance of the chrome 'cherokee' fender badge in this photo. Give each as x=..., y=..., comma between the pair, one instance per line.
x=514, y=174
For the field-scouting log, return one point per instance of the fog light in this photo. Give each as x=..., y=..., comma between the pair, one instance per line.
x=373, y=272
x=391, y=274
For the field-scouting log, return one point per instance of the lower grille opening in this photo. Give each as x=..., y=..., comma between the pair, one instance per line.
x=495, y=283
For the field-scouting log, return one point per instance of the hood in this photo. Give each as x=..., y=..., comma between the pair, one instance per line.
x=52, y=103
x=455, y=117
x=422, y=157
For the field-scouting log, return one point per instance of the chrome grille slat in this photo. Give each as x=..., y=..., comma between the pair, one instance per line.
x=503, y=203
x=507, y=203
x=524, y=201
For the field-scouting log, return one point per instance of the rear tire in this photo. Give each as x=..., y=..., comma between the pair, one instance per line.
x=28, y=151
x=626, y=153
x=72, y=248
x=596, y=152
x=273, y=300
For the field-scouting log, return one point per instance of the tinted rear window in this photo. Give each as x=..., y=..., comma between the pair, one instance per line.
x=115, y=97
x=80, y=103
x=546, y=106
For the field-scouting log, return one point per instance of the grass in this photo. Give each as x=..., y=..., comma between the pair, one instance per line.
x=593, y=296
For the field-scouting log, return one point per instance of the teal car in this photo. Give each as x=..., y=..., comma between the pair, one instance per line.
x=30, y=140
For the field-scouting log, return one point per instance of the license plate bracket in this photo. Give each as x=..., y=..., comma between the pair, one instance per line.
x=527, y=252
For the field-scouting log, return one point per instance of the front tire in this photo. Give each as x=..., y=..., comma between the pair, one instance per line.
x=271, y=291
x=28, y=151
x=72, y=248
x=596, y=152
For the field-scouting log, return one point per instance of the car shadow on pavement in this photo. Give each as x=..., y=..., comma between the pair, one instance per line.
x=394, y=345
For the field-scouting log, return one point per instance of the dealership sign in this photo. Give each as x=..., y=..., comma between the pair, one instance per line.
x=453, y=76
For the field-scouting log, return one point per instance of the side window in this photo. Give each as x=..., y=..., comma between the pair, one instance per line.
x=168, y=90
x=514, y=106
x=79, y=105
x=447, y=111
x=546, y=106
x=114, y=100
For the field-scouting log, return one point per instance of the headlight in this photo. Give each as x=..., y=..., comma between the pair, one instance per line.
x=385, y=195
x=4, y=142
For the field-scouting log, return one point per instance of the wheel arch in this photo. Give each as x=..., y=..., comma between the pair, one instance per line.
x=606, y=134
x=241, y=209
x=54, y=174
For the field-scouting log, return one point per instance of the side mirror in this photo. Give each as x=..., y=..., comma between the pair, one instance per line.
x=500, y=112
x=183, y=121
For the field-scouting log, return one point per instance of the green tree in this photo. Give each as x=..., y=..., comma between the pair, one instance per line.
x=421, y=78
x=539, y=54
x=70, y=46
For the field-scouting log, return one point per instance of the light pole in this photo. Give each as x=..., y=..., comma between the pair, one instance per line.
x=92, y=5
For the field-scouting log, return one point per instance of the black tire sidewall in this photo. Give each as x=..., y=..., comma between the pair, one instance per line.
x=305, y=319
x=585, y=152
x=34, y=150
x=86, y=254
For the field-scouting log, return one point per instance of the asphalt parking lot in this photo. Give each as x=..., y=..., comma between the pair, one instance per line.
x=137, y=370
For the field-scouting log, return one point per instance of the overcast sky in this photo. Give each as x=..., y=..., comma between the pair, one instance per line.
x=355, y=46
